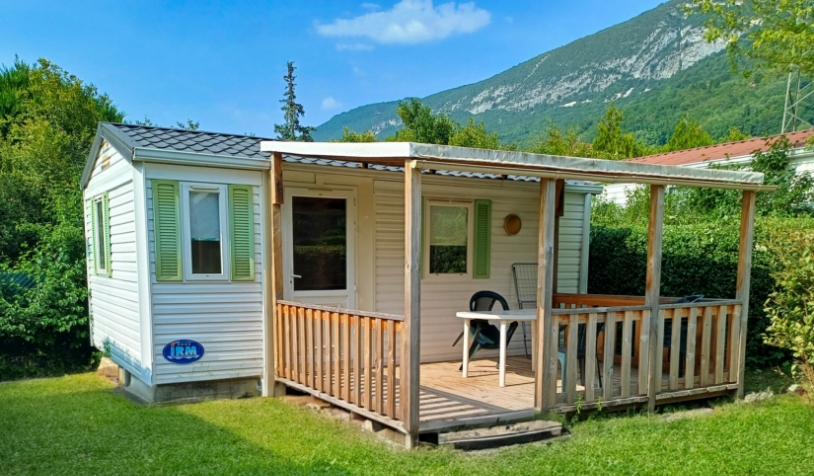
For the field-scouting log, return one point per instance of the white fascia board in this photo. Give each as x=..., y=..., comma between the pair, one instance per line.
x=340, y=150
x=194, y=158
x=456, y=157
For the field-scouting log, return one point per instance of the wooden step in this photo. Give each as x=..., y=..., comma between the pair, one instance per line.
x=503, y=435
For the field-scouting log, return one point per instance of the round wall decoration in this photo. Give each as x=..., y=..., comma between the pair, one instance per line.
x=512, y=224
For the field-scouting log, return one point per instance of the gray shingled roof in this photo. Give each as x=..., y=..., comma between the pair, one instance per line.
x=203, y=142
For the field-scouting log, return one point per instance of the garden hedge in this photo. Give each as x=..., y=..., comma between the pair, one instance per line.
x=698, y=258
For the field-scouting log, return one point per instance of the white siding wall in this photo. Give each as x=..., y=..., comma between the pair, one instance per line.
x=114, y=301
x=617, y=192
x=441, y=297
x=225, y=317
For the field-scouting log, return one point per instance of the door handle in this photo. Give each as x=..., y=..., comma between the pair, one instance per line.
x=296, y=276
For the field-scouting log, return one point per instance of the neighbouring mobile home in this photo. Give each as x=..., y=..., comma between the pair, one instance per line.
x=225, y=265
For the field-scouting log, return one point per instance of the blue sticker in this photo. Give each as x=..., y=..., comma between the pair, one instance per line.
x=183, y=351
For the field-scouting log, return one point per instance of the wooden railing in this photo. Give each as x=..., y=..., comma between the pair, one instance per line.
x=610, y=344
x=346, y=357
x=710, y=332
x=597, y=329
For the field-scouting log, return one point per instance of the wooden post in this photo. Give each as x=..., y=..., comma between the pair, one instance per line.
x=653, y=289
x=411, y=344
x=273, y=268
x=747, y=234
x=545, y=389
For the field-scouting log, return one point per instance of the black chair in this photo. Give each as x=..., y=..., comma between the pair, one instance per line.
x=668, y=333
x=484, y=335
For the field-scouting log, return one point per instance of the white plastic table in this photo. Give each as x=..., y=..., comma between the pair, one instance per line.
x=505, y=318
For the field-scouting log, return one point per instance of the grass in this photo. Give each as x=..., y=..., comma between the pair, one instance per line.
x=78, y=425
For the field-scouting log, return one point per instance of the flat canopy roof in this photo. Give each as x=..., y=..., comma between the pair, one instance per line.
x=444, y=157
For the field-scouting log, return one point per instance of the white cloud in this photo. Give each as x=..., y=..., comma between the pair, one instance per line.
x=353, y=47
x=411, y=22
x=330, y=103
x=371, y=6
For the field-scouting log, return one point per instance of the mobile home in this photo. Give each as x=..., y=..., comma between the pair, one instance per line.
x=218, y=262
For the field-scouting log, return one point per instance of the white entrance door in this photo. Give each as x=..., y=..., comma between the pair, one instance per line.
x=319, y=246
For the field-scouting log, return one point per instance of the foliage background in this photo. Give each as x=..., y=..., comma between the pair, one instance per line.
x=47, y=122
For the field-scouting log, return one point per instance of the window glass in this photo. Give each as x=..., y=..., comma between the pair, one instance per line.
x=320, y=243
x=448, y=239
x=101, y=249
x=205, y=232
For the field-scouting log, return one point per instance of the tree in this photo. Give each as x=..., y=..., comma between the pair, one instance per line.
x=49, y=118
x=611, y=142
x=421, y=125
x=190, y=125
x=474, y=135
x=687, y=134
x=557, y=143
x=734, y=135
x=291, y=129
x=352, y=136
x=775, y=33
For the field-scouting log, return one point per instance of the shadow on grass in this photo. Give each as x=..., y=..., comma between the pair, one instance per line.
x=98, y=432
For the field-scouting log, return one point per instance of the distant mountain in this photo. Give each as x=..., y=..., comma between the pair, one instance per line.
x=656, y=67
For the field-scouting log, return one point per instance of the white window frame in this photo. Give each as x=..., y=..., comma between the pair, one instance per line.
x=99, y=236
x=470, y=239
x=186, y=245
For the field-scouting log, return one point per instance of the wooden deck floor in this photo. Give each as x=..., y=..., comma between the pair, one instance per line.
x=446, y=395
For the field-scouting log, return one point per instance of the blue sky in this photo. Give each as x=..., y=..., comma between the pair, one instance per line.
x=221, y=63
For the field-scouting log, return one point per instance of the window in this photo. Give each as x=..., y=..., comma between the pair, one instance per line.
x=447, y=238
x=204, y=212
x=319, y=243
x=100, y=238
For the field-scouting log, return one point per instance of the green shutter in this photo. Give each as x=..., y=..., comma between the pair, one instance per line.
x=106, y=231
x=483, y=239
x=241, y=232
x=167, y=228
x=93, y=227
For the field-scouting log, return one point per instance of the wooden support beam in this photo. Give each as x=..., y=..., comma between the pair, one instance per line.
x=747, y=234
x=272, y=268
x=653, y=290
x=545, y=388
x=411, y=340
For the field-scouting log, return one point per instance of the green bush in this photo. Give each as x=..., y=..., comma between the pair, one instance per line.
x=790, y=307
x=696, y=258
x=44, y=327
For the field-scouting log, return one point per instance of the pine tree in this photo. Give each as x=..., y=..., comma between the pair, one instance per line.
x=292, y=130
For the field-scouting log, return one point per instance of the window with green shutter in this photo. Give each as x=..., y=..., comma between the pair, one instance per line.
x=241, y=232
x=482, y=247
x=100, y=231
x=167, y=230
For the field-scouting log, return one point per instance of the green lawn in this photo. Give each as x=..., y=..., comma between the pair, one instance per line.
x=77, y=425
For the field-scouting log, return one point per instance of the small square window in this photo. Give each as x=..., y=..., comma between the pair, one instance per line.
x=447, y=237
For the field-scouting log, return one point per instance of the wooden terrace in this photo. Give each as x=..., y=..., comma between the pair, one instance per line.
x=369, y=363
